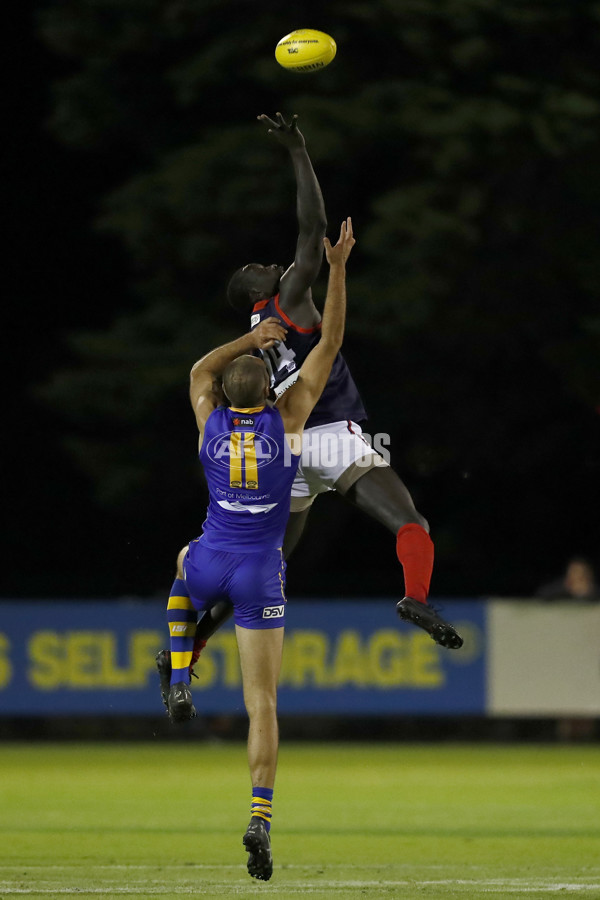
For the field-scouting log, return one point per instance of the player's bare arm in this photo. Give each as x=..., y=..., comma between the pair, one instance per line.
x=206, y=374
x=295, y=295
x=297, y=403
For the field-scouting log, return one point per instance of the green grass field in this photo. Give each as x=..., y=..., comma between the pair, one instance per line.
x=406, y=821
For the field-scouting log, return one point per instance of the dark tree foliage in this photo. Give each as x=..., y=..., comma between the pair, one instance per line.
x=463, y=138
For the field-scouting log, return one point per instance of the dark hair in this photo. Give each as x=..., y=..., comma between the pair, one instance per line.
x=238, y=291
x=244, y=381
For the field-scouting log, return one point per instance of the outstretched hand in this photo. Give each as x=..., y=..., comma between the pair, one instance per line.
x=341, y=251
x=267, y=333
x=288, y=135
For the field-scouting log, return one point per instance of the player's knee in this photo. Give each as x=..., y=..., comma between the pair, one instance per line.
x=411, y=517
x=294, y=530
x=262, y=702
x=422, y=521
x=180, y=559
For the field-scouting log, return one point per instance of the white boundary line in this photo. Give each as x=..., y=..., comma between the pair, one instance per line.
x=495, y=886
x=330, y=888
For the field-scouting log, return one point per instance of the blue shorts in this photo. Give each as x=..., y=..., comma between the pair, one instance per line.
x=254, y=583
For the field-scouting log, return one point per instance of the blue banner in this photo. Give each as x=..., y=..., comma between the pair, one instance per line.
x=340, y=657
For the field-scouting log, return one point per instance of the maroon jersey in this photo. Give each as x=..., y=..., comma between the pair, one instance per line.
x=340, y=399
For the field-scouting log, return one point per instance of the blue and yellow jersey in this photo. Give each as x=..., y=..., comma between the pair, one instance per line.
x=340, y=399
x=249, y=469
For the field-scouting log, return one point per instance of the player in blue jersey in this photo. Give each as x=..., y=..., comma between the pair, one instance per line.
x=250, y=451
x=335, y=454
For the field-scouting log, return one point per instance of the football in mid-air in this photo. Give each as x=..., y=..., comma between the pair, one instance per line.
x=305, y=50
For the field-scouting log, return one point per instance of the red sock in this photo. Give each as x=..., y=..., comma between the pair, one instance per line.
x=415, y=551
x=198, y=648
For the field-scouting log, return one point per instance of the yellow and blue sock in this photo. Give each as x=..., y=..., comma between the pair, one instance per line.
x=262, y=803
x=181, y=617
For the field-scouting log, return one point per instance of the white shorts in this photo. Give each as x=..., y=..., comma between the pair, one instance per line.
x=334, y=456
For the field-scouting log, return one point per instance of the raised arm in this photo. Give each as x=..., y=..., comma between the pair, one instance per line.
x=296, y=283
x=296, y=404
x=205, y=378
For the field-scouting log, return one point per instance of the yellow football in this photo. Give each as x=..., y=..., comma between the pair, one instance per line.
x=305, y=50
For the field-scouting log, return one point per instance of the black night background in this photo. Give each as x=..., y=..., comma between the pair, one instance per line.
x=462, y=137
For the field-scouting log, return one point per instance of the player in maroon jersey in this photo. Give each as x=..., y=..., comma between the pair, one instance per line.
x=350, y=466
x=357, y=471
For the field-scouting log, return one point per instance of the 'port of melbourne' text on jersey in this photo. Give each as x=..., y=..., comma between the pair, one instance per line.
x=249, y=469
x=340, y=398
